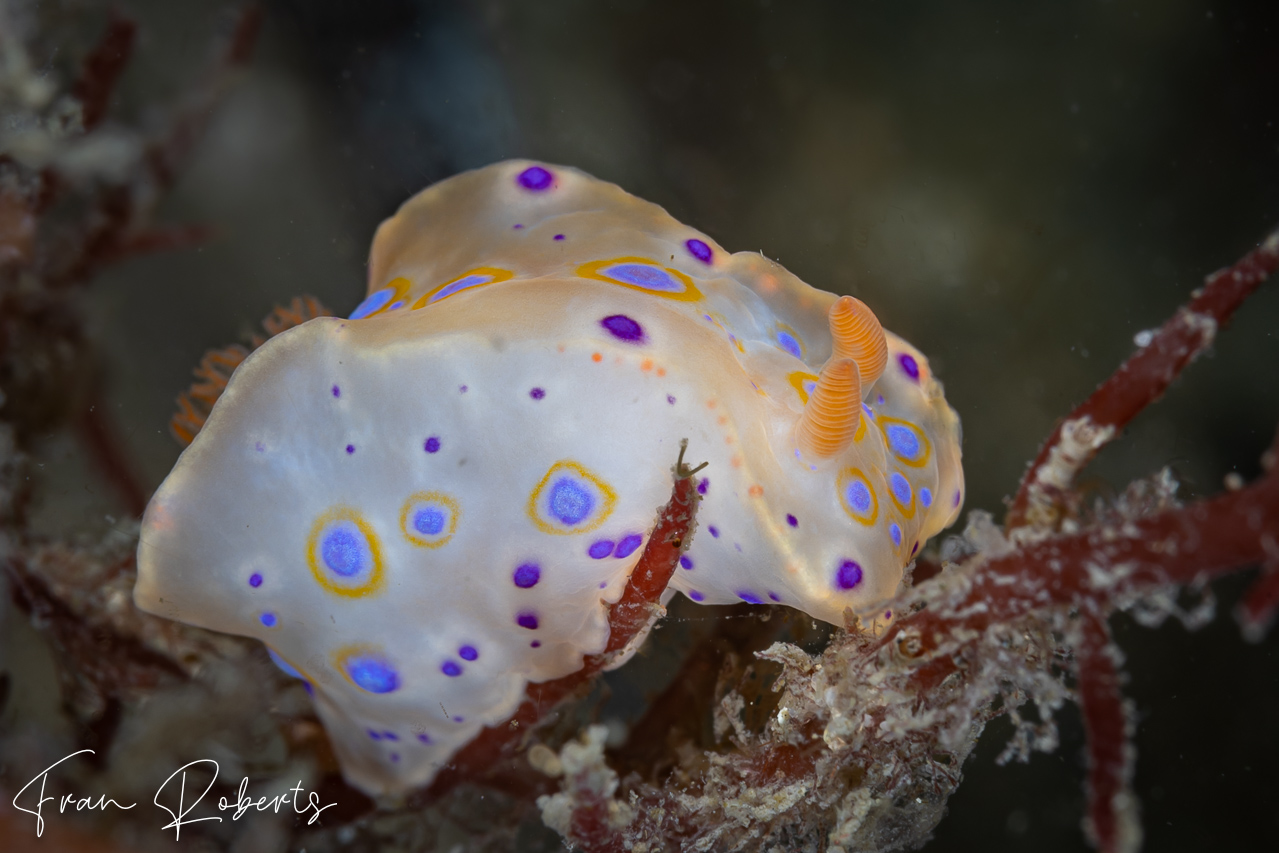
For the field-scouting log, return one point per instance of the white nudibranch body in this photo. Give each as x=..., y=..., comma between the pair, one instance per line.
x=424, y=507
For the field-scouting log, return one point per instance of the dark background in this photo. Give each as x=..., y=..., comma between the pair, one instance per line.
x=1016, y=187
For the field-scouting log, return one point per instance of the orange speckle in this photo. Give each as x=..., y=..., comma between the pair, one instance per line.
x=596, y=357
x=736, y=461
x=755, y=491
x=792, y=568
x=560, y=347
x=723, y=419
x=646, y=364
x=728, y=439
x=661, y=371
x=711, y=404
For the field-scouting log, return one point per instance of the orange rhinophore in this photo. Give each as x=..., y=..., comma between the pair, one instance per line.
x=217, y=365
x=834, y=409
x=856, y=334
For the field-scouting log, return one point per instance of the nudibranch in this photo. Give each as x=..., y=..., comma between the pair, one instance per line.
x=424, y=507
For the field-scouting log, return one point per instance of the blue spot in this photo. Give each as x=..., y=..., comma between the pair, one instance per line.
x=535, y=178
x=343, y=552
x=601, y=549
x=902, y=440
x=559, y=237
x=423, y=736
x=695, y=595
x=926, y=497
x=373, y=673
x=399, y=303
x=628, y=545
x=686, y=561
x=774, y=596
x=268, y=619
x=859, y=496
x=350, y=448
x=956, y=503
x=809, y=385
x=646, y=276
x=848, y=575
x=468, y=653
x=375, y=735
x=537, y=393
x=788, y=343
x=909, y=366
x=536, y=644
x=527, y=575
x=432, y=445
x=461, y=284
x=792, y=520
x=451, y=668
x=375, y=302
x=255, y=580
x=749, y=597
x=900, y=487
x=429, y=521
x=714, y=531
x=337, y=392
x=569, y=502
x=395, y=757
x=699, y=250
x=390, y=736
x=895, y=532
x=623, y=328
x=870, y=413
x=527, y=620
x=703, y=486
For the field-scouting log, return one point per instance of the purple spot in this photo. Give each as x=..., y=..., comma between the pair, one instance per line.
x=268, y=619
x=451, y=668
x=699, y=250
x=848, y=575
x=714, y=531
x=623, y=328
x=337, y=392
x=956, y=498
x=459, y=719
x=888, y=614
x=374, y=735
x=255, y=580
x=603, y=584
x=792, y=520
x=914, y=550
x=462, y=388
x=432, y=445
x=350, y=448
x=537, y=393
x=527, y=619
x=390, y=735
x=517, y=226
x=424, y=737
x=310, y=691
x=686, y=562
x=870, y=413
x=600, y=549
x=774, y=596
x=468, y=653
x=536, y=644
x=628, y=545
x=669, y=399
x=909, y=365
x=527, y=575
x=695, y=595
x=879, y=400
x=259, y=447
x=558, y=237
x=749, y=597
x=788, y=343
x=395, y=756
x=535, y=178
x=703, y=485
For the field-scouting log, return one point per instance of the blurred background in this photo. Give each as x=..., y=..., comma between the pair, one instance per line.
x=1018, y=188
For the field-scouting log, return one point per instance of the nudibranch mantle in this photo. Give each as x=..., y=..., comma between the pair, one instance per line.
x=424, y=507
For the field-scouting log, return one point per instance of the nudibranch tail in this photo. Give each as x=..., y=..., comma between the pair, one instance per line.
x=856, y=333
x=829, y=422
